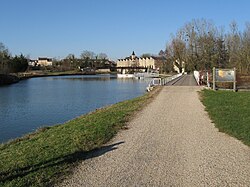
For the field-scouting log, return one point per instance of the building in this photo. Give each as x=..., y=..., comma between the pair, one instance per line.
x=179, y=68
x=32, y=62
x=142, y=62
x=41, y=61
x=44, y=61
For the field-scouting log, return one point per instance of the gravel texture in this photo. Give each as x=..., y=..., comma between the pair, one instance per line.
x=171, y=142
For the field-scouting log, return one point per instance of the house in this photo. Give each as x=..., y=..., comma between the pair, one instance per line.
x=179, y=67
x=32, y=62
x=44, y=61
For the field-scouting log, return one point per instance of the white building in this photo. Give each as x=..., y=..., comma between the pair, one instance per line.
x=44, y=61
x=134, y=61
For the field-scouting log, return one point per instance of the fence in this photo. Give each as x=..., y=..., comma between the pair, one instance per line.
x=166, y=80
x=161, y=81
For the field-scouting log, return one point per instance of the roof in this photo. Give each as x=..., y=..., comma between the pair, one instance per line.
x=44, y=58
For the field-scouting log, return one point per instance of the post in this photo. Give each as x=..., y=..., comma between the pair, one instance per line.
x=208, y=83
x=234, y=80
x=213, y=78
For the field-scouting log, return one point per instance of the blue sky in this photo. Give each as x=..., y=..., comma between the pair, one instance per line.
x=55, y=28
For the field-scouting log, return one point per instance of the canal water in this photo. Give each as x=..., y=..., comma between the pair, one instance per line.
x=37, y=102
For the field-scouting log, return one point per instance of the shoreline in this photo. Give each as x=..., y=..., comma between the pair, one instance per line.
x=15, y=78
x=54, y=151
x=24, y=77
x=8, y=79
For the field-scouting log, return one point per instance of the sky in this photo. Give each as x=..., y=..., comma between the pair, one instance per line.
x=56, y=28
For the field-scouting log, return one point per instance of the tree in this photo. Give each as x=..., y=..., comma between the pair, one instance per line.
x=18, y=64
x=162, y=53
x=102, y=56
x=4, y=59
x=146, y=55
x=233, y=44
x=71, y=61
x=87, y=55
x=245, y=53
x=177, y=51
x=200, y=45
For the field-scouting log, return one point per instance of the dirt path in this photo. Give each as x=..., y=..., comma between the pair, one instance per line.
x=171, y=142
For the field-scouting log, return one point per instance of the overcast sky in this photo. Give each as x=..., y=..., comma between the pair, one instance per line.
x=55, y=28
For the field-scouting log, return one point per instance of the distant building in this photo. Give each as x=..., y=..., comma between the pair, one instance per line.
x=44, y=61
x=41, y=61
x=32, y=62
x=134, y=61
x=179, y=68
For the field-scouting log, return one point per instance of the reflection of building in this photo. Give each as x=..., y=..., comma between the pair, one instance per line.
x=134, y=61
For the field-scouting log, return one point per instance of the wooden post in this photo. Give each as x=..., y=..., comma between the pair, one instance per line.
x=213, y=78
x=234, y=80
x=208, y=83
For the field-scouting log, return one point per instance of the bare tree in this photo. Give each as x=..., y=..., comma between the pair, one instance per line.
x=87, y=55
x=102, y=56
x=4, y=59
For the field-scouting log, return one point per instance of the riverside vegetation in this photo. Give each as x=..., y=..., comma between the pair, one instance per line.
x=230, y=112
x=46, y=156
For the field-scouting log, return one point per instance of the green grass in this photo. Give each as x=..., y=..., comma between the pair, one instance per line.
x=45, y=157
x=230, y=111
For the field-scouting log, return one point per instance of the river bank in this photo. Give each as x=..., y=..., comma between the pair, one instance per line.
x=8, y=79
x=16, y=77
x=42, y=158
x=28, y=75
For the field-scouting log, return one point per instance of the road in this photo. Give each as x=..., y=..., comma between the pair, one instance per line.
x=171, y=142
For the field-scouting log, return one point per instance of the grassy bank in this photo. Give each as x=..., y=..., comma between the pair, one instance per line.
x=230, y=111
x=42, y=158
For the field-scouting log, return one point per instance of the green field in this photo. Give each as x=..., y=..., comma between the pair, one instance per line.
x=230, y=111
x=45, y=157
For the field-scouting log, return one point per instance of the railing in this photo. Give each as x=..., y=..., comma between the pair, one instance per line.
x=161, y=81
x=166, y=80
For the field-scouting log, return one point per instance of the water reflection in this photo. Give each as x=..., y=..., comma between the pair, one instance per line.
x=105, y=77
x=51, y=100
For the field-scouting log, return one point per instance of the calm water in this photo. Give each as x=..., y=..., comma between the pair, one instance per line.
x=46, y=101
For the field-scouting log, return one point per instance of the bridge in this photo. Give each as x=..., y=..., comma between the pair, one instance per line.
x=184, y=80
x=175, y=80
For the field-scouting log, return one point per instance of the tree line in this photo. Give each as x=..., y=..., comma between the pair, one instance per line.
x=9, y=64
x=200, y=45
x=19, y=63
x=87, y=59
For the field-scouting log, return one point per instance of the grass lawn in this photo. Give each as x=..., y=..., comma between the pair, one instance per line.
x=45, y=157
x=230, y=111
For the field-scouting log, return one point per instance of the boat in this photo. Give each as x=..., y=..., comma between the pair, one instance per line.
x=125, y=75
x=146, y=75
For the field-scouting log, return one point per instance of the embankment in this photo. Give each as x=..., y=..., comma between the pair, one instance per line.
x=44, y=157
x=8, y=79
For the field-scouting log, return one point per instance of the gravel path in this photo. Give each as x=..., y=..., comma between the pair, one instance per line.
x=171, y=142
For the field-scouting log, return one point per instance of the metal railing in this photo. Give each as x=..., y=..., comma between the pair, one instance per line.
x=166, y=80
x=161, y=81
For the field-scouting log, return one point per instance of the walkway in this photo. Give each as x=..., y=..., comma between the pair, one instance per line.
x=171, y=142
x=185, y=80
